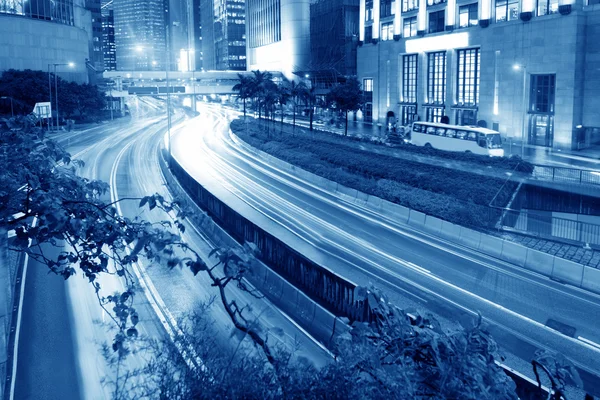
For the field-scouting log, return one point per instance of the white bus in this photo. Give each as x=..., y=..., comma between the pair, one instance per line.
x=471, y=139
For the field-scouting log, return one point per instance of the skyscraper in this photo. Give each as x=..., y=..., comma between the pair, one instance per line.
x=224, y=34
x=108, y=36
x=140, y=34
x=96, y=53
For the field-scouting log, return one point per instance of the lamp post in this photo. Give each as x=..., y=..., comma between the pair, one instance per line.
x=518, y=67
x=12, y=111
x=71, y=65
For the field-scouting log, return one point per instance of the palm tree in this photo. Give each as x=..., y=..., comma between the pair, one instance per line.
x=283, y=94
x=245, y=89
x=296, y=92
x=261, y=82
x=309, y=96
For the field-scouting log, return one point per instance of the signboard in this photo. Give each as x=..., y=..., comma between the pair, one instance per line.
x=43, y=110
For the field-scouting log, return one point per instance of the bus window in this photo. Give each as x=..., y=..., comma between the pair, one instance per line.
x=416, y=127
x=440, y=131
x=450, y=133
x=481, y=140
x=494, y=141
x=472, y=136
x=461, y=134
x=431, y=130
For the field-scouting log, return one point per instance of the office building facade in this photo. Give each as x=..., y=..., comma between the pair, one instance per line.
x=140, y=34
x=35, y=33
x=278, y=35
x=523, y=67
x=223, y=34
x=109, y=48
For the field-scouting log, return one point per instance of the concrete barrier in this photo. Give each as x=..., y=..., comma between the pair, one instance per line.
x=433, y=224
x=362, y=197
x=305, y=309
x=491, y=245
x=539, y=262
x=288, y=301
x=449, y=230
x=346, y=191
x=567, y=271
x=374, y=202
x=394, y=211
x=591, y=279
x=469, y=237
x=514, y=253
x=273, y=284
x=416, y=218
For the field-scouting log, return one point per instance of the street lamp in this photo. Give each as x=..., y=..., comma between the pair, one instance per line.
x=70, y=65
x=518, y=67
x=12, y=112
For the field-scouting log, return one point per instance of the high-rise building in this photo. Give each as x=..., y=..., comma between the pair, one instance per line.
x=96, y=52
x=108, y=36
x=525, y=68
x=140, y=34
x=196, y=32
x=224, y=34
x=36, y=33
x=278, y=35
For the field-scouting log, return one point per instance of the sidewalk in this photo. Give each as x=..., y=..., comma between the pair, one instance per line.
x=586, y=158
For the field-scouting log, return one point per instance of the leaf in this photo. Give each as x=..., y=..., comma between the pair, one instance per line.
x=143, y=201
x=132, y=332
x=198, y=266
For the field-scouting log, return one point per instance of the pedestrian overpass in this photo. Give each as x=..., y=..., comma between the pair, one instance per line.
x=159, y=83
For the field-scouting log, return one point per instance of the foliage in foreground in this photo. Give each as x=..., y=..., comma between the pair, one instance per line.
x=456, y=196
x=391, y=358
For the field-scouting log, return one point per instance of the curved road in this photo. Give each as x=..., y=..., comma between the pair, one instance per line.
x=417, y=269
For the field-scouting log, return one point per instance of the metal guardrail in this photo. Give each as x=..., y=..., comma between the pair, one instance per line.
x=544, y=225
x=567, y=175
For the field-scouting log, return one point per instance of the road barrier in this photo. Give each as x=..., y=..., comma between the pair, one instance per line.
x=333, y=292
x=567, y=175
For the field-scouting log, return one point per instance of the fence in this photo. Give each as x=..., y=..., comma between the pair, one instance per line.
x=326, y=288
x=567, y=175
x=543, y=224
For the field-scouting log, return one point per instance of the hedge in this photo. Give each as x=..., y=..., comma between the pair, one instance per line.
x=454, y=195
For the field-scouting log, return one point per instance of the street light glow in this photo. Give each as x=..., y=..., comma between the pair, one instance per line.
x=71, y=64
x=517, y=67
x=139, y=48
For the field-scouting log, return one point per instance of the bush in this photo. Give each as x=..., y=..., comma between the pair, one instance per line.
x=456, y=196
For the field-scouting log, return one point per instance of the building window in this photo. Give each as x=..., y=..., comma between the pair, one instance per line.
x=546, y=7
x=369, y=10
x=434, y=114
x=541, y=110
x=467, y=15
x=368, y=115
x=264, y=23
x=409, y=78
x=467, y=88
x=368, y=33
x=387, y=31
x=465, y=117
x=368, y=85
x=408, y=114
x=409, y=27
x=436, y=77
x=436, y=21
x=409, y=5
x=507, y=10
x=387, y=8
x=435, y=2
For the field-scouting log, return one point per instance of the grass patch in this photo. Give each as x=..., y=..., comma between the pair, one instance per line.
x=453, y=195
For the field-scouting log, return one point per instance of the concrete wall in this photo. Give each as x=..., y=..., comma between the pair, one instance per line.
x=31, y=44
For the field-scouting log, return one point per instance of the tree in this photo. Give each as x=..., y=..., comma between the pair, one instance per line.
x=25, y=87
x=245, y=89
x=296, y=92
x=309, y=96
x=282, y=94
x=346, y=97
x=262, y=84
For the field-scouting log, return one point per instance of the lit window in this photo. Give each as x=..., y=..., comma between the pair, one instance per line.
x=507, y=10
x=387, y=31
x=436, y=77
x=467, y=15
x=409, y=26
x=468, y=77
x=409, y=78
x=409, y=5
x=546, y=7
x=434, y=2
x=368, y=85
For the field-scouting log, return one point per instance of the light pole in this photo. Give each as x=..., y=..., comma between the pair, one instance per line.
x=12, y=111
x=71, y=65
x=518, y=67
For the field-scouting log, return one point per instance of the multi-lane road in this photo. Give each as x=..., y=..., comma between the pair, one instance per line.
x=416, y=269
x=62, y=325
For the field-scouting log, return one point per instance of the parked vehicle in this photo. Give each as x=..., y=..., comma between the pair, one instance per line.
x=471, y=139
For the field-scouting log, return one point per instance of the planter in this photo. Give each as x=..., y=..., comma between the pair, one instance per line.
x=484, y=23
x=374, y=41
x=397, y=37
x=565, y=9
x=420, y=33
x=360, y=43
x=526, y=16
